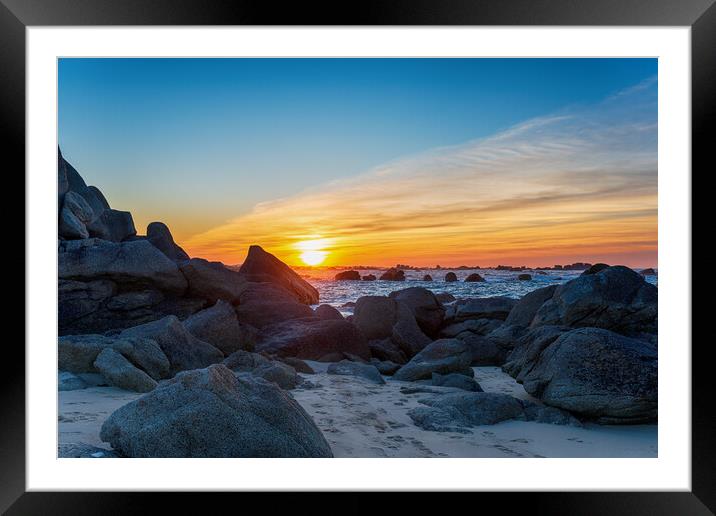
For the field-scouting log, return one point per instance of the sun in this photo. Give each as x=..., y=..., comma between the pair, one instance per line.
x=313, y=257
x=313, y=250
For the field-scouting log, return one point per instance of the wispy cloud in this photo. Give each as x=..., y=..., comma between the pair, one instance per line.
x=579, y=183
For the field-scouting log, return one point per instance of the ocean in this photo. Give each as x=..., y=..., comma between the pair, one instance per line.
x=497, y=283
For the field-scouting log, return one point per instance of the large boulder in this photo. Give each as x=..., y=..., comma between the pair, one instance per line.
x=219, y=327
x=113, y=225
x=528, y=347
x=266, y=304
x=281, y=373
x=161, y=238
x=213, y=413
x=75, y=214
x=473, y=278
x=426, y=308
x=78, y=353
x=366, y=371
x=598, y=374
x=456, y=381
x=525, y=309
x=348, y=275
x=477, y=326
x=616, y=298
x=458, y=412
x=380, y=317
x=121, y=373
x=494, y=348
x=261, y=266
x=451, y=277
x=442, y=356
x=134, y=264
x=212, y=280
x=183, y=350
x=393, y=275
x=327, y=312
x=482, y=308
x=313, y=339
x=387, y=350
x=77, y=299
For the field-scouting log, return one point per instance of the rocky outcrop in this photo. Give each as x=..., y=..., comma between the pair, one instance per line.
x=264, y=304
x=160, y=237
x=366, y=371
x=212, y=281
x=327, y=312
x=459, y=412
x=313, y=339
x=476, y=326
x=425, y=307
x=347, y=275
x=647, y=272
x=261, y=266
x=597, y=267
x=220, y=327
x=450, y=277
x=427, y=277
x=387, y=350
x=121, y=372
x=183, y=350
x=524, y=277
x=525, y=309
x=442, y=356
x=213, y=413
x=137, y=264
x=617, y=299
x=474, y=277
x=379, y=317
x=481, y=308
x=393, y=275
x=594, y=373
x=369, y=277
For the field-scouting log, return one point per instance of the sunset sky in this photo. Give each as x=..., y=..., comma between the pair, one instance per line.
x=375, y=161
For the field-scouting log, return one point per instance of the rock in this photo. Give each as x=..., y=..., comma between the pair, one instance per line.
x=525, y=309
x=75, y=214
x=648, y=272
x=67, y=381
x=327, y=312
x=375, y=316
x=183, y=350
x=524, y=277
x=349, y=304
x=597, y=267
x=219, y=327
x=369, y=277
x=265, y=304
x=77, y=299
x=121, y=373
x=298, y=364
x=442, y=356
x=78, y=353
x=445, y=297
x=137, y=264
x=387, y=350
x=212, y=280
x=486, y=351
x=457, y=412
x=458, y=381
x=279, y=373
x=427, y=277
x=393, y=275
x=160, y=237
x=385, y=367
x=478, y=326
x=474, y=277
x=112, y=225
x=261, y=266
x=380, y=317
x=313, y=339
x=425, y=307
x=132, y=300
x=348, y=275
x=483, y=308
x=212, y=413
x=69, y=180
x=245, y=361
x=365, y=371
x=617, y=299
x=450, y=277
x=598, y=374
x=528, y=348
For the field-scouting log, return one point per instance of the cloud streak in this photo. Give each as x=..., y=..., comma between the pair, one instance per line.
x=579, y=184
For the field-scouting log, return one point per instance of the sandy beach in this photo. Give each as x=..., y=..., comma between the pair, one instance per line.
x=362, y=419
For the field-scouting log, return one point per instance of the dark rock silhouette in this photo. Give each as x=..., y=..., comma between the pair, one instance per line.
x=261, y=266
x=450, y=277
x=393, y=275
x=474, y=277
x=348, y=275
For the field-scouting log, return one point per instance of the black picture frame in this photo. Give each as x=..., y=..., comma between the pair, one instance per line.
x=17, y=15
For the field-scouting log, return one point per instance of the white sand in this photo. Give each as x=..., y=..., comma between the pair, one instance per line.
x=361, y=419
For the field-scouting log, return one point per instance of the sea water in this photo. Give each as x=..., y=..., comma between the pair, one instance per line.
x=497, y=283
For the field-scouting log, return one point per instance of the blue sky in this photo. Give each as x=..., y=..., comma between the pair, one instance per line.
x=205, y=140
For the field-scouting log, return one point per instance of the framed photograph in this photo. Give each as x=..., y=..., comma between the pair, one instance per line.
x=416, y=250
